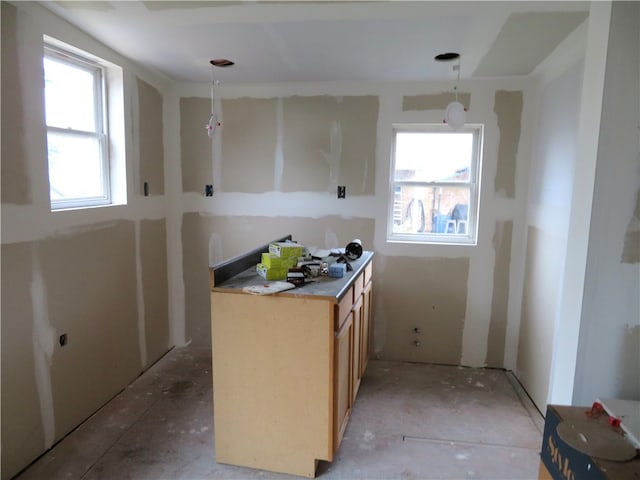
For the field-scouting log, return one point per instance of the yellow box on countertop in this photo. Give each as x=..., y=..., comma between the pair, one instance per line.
x=286, y=249
x=272, y=260
x=271, y=273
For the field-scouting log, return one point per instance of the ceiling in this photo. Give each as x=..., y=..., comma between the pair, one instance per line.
x=312, y=41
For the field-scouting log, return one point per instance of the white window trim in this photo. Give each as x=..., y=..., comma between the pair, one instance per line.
x=113, y=121
x=471, y=237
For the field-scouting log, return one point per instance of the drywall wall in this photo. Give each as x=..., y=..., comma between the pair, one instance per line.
x=208, y=240
x=545, y=255
x=550, y=185
x=631, y=249
x=329, y=141
x=500, y=301
x=254, y=117
x=276, y=177
x=89, y=294
x=425, y=293
x=608, y=357
x=508, y=108
x=155, y=292
x=15, y=184
x=196, y=155
x=150, y=122
x=434, y=102
x=98, y=275
x=23, y=428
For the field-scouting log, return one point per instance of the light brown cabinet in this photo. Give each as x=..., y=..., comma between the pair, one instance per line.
x=352, y=347
x=343, y=367
x=286, y=368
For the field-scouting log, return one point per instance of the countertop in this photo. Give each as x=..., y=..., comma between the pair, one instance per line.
x=322, y=287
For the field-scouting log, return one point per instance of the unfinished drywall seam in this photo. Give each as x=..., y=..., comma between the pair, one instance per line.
x=334, y=155
x=278, y=167
x=43, y=345
x=142, y=337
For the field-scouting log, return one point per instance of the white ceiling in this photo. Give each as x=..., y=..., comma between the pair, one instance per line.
x=274, y=41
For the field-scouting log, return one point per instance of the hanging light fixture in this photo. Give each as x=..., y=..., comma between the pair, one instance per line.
x=455, y=114
x=213, y=122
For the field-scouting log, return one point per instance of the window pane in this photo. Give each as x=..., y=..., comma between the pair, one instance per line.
x=69, y=96
x=75, y=169
x=433, y=157
x=432, y=210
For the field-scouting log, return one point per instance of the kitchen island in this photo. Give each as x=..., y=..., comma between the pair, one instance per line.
x=287, y=366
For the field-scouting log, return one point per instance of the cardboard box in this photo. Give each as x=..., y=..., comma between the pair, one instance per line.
x=271, y=273
x=286, y=249
x=563, y=462
x=272, y=260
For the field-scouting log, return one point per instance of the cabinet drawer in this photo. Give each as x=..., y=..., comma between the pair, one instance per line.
x=358, y=287
x=368, y=273
x=343, y=309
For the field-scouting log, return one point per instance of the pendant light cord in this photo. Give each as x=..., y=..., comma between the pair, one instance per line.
x=455, y=88
x=213, y=82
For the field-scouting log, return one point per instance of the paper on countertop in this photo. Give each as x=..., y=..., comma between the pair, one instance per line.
x=268, y=288
x=324, y=252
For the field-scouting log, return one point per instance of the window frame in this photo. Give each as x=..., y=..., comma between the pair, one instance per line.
x=470, y=237
x=77, y=60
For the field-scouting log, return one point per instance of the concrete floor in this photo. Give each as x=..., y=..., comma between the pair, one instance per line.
x=410, y=421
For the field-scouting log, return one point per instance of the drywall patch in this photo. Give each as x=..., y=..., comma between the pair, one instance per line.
x=196, y=148
x=425, y=293
x=508, y=109
x=631, y=248
x=90, y=280
x=500, y=298
x=15, y=178
x=150, y=138
x=249, y=134
x=153, y=259
x=330, y=141
x=434, y=102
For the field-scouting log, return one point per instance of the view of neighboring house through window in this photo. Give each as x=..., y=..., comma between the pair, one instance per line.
x=434, y=191
x=77, y=139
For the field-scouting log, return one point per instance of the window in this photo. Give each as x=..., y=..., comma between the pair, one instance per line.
x=81, y=166
x=434, y=184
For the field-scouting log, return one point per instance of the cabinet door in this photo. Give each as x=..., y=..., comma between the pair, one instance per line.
x=342, y=379
x=358, y=321
x=367, y=327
